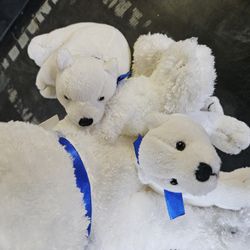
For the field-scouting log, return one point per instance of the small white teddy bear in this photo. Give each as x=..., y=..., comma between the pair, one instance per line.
x=176, y=85
x=182, y=82
x=42, y=207
x=80, y=65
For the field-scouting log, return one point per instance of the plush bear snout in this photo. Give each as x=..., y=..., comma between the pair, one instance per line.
x=85, y=122
x=203, y=172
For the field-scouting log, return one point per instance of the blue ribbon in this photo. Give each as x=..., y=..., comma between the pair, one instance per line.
x=175, y=204
x=137, y=144
x=174, y=201
x=82, y=180
x=123, y=76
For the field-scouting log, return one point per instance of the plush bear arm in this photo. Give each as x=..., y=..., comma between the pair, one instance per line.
x=114, y=121
x=147, y=52
x=213, y=104
x=226, y=133
x=231, y=135
x=120, y=111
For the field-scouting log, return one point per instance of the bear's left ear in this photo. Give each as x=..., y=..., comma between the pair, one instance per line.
x=111, y=66
x=64, y=59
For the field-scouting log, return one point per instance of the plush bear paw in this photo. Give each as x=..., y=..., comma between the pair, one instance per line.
x=231, y=136
x=212, y=104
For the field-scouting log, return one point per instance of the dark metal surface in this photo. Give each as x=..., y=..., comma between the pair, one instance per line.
x=9, y=11
x=223, y=25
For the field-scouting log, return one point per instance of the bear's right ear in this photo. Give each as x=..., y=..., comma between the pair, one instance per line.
x=154, y=120
x=64, y=59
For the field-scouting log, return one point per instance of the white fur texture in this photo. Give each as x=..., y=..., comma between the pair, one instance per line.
x=150, y=48
x=127, y=111
x=41, y=206
x=226, y=133
x=181, y=81
x=144, y=225
x=79, y=64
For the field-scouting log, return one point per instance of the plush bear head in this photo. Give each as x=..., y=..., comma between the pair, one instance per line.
x=177, y=155
x=84, y=85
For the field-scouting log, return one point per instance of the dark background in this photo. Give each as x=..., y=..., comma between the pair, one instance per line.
x=223, y=25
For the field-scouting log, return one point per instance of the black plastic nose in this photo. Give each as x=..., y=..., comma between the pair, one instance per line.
x=85, y=122
x=203, y=172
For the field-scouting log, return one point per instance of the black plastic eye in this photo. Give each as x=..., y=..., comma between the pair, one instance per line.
x=101, y=98
x=65, y=97
x=174, y=182
x=180, y=145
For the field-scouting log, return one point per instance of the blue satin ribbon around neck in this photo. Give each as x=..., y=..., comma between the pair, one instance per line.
x=82, y=180
x=122, y=77
x=174, y=201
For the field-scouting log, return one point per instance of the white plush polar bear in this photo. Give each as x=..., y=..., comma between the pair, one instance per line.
x=80, y=65
x=41, y=207
x=181, y=82
x=175, y=85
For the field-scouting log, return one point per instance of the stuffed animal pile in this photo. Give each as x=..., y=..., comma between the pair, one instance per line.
x=100, y=179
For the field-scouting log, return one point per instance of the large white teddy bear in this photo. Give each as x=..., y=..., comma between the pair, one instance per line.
x=42, y=208
x=81, y=65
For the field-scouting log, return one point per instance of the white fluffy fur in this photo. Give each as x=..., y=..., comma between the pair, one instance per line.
x=79, y=64
x=41, y=206
x=127, y=111
x=144, y=225
x=150, y=48
x=226, y=133
x=181, y=82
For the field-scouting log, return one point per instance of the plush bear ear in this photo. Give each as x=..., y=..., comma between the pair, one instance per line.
x=111, y=66
x=64, y=59
x=154, y=120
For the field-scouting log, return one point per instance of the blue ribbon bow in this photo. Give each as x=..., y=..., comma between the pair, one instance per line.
x=82, y=180
x=174, y=201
